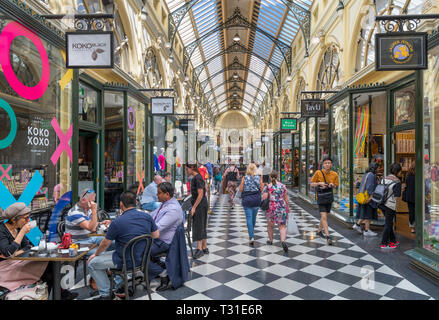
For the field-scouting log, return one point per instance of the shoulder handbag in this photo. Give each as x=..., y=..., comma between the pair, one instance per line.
x=251, y=198
x=324, y=196
x=362, y=195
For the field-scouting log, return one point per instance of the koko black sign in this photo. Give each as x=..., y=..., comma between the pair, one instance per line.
x=313, y=107
x=89, y=49
x=401, y=51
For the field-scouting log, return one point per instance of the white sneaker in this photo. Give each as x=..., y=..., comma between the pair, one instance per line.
x=357, y=228
x=369, y=233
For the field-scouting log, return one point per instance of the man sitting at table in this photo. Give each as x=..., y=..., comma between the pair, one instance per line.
x=167, y=218
x=82, y=219
x=130, y=224
x=149, y=198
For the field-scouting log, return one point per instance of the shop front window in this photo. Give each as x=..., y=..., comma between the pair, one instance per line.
x=312, y=165
x=404, y=105
x=340, y=153
x=302, y=165
x=286, y=158
x=323, y=139
x=159, y=144
x=88, y=102
x=136, y=141
x=431, y=153
x=39, y=122
x=113, y=169
x=296, y=160
x=369, y=129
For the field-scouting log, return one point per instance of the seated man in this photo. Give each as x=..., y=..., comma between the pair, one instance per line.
x=167, y=218
x=149, y=198
x=82, y=219
x=130, y=224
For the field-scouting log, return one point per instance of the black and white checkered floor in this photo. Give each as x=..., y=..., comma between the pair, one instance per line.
x=311, y=270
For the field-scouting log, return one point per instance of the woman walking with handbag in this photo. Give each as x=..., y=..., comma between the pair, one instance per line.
x=367, y=209
x=278, y=210
x=325, y=180
x=251, y=188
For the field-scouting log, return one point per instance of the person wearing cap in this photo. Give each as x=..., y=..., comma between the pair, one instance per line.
x=13, y=241
x=367, y=211
x=82, y=219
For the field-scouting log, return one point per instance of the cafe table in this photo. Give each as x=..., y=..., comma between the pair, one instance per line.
x=57, y=260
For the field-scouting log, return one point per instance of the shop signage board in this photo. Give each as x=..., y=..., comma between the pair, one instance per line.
x=313, y=108
x=162, y=106
x=288, y=124
x=89, y=50
x=401, y=51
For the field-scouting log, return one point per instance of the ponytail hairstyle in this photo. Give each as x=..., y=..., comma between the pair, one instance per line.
x=273, y=176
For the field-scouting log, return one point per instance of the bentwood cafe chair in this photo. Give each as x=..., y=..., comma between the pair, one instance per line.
x=143, y=267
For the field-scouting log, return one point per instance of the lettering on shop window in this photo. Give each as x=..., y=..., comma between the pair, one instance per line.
x=6, y=142
x=6, y=169
x=37, y=137
x=63, y=142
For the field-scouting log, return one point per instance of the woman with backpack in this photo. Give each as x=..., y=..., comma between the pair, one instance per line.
x=231, y=176
x=278, y=210
x=409, y=195
x=393, y=184
x=367, y=210
x=251, y=188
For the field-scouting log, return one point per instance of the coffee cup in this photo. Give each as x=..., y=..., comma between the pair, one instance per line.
x=33, y=224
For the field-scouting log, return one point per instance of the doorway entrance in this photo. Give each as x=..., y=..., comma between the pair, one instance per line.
x=403, y=150
x=88, y=162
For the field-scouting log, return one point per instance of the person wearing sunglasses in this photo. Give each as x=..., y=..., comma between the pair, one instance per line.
x=13, y=241
x=82, y=219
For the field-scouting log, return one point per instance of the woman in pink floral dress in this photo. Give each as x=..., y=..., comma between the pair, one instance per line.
x=278, y=210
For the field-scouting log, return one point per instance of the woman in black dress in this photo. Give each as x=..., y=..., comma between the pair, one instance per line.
x=198, y=211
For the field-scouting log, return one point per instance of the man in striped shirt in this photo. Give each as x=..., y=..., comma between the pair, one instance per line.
x=82, y=219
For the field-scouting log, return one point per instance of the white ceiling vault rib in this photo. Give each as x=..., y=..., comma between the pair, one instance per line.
x=205, y=22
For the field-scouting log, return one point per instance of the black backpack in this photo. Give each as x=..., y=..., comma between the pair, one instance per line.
x=232, y=176
x=381, y=194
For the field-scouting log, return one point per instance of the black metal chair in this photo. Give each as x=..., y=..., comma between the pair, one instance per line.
x=143, y=267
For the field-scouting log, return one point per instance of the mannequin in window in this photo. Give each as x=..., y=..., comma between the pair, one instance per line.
x=162, y=159
x=156, y=160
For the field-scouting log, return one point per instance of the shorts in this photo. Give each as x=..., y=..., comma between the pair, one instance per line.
x=325, y=207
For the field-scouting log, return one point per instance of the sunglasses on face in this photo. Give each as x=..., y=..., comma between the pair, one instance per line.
x=87, y=192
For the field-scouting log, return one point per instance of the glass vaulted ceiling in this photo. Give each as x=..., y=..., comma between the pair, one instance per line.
x=273, y=17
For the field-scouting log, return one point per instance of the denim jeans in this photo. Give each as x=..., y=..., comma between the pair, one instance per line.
x=151, y=206
x=250, y=215
x=97, y=269
x=388, y=234
x=94, y=240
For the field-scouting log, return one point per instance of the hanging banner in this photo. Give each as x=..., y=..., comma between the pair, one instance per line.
x=162, y=106
x=288, y=124
x=401, y=51
x=313, y=107
x=89, y=49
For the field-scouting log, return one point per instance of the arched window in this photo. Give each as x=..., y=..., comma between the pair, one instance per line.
x=366, y=38
x=152, y=71
x=300, y=87
x=329, y=72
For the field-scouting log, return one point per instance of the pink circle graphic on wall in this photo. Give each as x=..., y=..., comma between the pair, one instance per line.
x=133, y=123
x=8, y=34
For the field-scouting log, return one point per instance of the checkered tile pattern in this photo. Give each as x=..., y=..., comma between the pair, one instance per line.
x=235, y=270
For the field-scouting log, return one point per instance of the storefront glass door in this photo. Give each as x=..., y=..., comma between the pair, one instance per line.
x=88, y=163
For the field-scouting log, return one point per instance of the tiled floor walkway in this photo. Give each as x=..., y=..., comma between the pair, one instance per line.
x=310, y=270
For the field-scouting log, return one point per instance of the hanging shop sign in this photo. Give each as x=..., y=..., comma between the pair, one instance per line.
x=313, y=107
x=401, y=51
x=89, y=49
x=288, y=124
x=162, y=106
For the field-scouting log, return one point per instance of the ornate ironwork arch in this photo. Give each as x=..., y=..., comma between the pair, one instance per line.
x=236, y=47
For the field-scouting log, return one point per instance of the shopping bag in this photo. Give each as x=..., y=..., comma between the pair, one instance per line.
x=292, y=228
x=237, y=199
